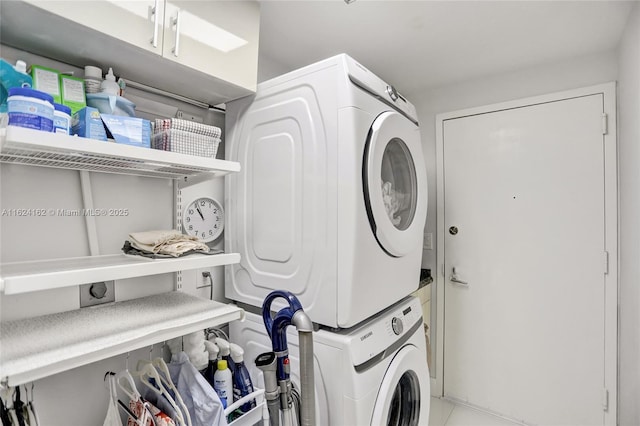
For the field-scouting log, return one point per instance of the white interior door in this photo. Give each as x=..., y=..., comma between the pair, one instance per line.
x=524, y=261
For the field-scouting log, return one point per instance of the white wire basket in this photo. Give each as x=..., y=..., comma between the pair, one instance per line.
x=185, y=142
x=257, y=415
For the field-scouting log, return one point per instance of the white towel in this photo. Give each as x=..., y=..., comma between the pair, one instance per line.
x=169, y=242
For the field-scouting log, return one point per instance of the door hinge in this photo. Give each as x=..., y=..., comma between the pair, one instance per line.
x=605, y=400
x=605, y=123
x=606, y=262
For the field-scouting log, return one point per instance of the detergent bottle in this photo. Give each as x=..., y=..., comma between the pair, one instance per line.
x=210, y=371
x=12, y=76
x=223, y=383
x=242, y=385
x=109, y=84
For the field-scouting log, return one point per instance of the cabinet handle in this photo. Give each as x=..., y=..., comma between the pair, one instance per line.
x=154, y=13
x=176, y=22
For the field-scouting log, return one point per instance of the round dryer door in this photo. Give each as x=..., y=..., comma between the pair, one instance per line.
x=404, y=395
x=395, y=183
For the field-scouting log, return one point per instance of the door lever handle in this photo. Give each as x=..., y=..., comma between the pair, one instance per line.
x=454, y=278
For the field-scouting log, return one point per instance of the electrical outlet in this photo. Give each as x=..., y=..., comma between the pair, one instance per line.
x=204, y=278
x=428, y=241
x=97, y=293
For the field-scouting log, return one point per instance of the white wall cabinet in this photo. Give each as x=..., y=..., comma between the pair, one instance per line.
x=207, y=51
x=37, y=347
x=218, y=38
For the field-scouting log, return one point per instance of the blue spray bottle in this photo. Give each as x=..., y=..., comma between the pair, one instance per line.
x=210, y=371
x=242, y=385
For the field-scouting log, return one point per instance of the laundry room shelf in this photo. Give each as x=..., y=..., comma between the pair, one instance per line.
x=39, y=347
x=36, y=148
x=24, y=277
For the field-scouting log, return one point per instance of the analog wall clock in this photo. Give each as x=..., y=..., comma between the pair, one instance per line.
x=203, y=218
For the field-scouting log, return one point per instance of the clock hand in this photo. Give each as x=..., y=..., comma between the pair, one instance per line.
x=199, y=212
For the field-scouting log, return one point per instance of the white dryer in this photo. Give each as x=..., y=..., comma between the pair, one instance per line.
x=374, y=374
x=331, y=200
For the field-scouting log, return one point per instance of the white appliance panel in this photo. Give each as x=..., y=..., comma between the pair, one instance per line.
x=296, y=212
x=345, y=396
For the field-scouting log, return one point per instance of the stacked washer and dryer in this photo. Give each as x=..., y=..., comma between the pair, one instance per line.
x=330, y=205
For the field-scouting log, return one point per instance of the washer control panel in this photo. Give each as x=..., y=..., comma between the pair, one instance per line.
x=383, y=331
x=396, y=325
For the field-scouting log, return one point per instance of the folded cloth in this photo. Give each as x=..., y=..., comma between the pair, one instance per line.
x=130, y=250
x=169, y=242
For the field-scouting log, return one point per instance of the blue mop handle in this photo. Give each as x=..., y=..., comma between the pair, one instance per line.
x=294, y=305
x=277, y=328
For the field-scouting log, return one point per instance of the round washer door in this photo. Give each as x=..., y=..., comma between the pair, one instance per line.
x=395, y=184
x=404, y=395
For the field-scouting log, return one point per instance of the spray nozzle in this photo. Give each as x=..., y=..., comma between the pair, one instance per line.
x=212, y=348
x=110, y=76
x=237, y=353
x=223, y=345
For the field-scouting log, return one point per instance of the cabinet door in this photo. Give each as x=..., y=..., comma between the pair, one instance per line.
x=134, y=22
x=219, y=38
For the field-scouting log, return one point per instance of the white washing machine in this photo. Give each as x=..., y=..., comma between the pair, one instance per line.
x=374, y=374
x=331, y=200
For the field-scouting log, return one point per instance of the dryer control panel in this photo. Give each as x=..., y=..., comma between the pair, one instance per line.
x=386, y=333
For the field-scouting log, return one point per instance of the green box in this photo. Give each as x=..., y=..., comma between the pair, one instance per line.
x=46, y=80
x=73, y=93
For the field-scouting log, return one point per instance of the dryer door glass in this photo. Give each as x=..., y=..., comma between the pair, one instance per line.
x=395, y=184
x=399, y=186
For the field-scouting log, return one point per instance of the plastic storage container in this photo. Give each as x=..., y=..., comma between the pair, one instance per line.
x=111, y=104
x=30, y=108
x=92, y=79
x=61, y=119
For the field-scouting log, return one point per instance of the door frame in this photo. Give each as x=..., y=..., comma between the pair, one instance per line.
x=608, y=90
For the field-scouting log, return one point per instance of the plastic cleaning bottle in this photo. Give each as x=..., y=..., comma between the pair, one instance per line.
x=225, y=353
x=242, y=385
x=109, y=84
x=223, y=383
x=12, y=76
x=210, y=371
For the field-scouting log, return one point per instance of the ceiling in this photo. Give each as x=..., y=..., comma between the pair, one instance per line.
x=416, y=45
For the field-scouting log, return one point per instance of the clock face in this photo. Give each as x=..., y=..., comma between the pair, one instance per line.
x=203, y=218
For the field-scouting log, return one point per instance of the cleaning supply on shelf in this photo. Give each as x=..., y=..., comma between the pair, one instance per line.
x=12, y=76
x=73, y=96
x=210, y=371
x=242, y=385
x=225, y=352
x=46, y=80
x=61, y=119
x=92, y=79
x=223, y=383
x=30, y=108
x=109, y=84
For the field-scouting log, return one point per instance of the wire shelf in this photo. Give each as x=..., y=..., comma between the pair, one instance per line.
x=35, y=148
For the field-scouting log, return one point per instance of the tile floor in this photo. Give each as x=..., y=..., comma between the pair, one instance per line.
x=447, y=413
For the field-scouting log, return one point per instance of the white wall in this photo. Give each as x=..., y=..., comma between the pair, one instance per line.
x=629, y=198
